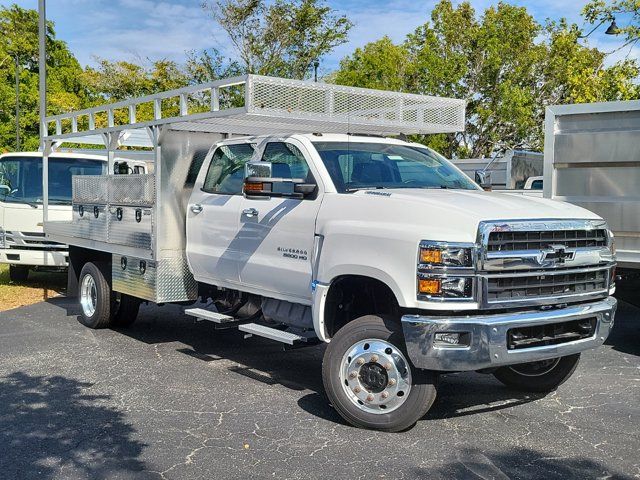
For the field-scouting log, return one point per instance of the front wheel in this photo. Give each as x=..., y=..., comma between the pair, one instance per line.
x=542, y=376
x=369, y=380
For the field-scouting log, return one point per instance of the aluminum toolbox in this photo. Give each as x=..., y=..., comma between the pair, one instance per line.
x=89, y=220
x=130, y=225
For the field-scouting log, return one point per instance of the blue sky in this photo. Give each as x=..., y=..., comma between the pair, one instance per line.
x=147, y=29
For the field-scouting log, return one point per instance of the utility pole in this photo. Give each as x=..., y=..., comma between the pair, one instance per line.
x=17, y=103
x=42, y=81
x=42, y=67
x=316, y=64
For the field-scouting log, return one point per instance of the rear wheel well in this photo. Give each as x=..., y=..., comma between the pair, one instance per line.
x=353, y=296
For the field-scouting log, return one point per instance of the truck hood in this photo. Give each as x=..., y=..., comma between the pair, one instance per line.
x=447, y=215
x=480, y=205
x=19, y=217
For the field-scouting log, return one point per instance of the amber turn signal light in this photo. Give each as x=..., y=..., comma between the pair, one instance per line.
x=253, y=187
x=429, y=286
x=430, y=255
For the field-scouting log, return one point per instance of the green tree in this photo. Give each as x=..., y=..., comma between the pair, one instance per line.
x=281, y=38
x=19, y=38
x=506, y=65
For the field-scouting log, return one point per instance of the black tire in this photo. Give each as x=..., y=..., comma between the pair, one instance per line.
x=102, y=295
x=538, y=376
x=423, y=383
x=18, y=273
x=125, y=311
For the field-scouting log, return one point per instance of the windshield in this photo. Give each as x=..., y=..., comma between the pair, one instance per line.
x=21, y=178
x=355, y=166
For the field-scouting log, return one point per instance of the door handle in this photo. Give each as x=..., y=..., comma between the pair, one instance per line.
x=196, y=208
x=250, y=212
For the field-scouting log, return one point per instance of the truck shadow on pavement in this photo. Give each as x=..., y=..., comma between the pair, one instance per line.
x=520, y=463
x=51, y=426
x=300, y=369
x=626, y=330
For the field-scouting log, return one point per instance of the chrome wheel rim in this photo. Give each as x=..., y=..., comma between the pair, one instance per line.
x=536, y=369
x=88, y=295
x=375, y=376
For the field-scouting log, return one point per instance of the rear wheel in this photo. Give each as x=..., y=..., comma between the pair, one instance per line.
x=542, y=376
x=18, y=273
x=95, y=296
x=370, y=381
x=126, y=311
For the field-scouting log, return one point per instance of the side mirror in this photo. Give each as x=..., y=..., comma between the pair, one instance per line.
x=259, y=183
x=483, y=179
x=5, y=190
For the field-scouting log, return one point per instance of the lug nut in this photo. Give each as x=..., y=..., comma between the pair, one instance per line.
x=388, y=366
x=384, y=394
x=392, y=381
x=369, y=398
x=374, y=358
x=356, y=390
x=353, y=374
x=360, y=361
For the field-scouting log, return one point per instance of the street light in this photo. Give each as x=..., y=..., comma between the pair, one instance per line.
x=316, y=64
x=611, y=29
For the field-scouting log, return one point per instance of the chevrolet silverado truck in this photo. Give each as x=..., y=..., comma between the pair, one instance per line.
x=380, y=248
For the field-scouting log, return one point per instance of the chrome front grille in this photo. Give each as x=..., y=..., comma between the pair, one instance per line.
x=524, y=263
x=30, y=241
x=502, y=288
x=539, y=240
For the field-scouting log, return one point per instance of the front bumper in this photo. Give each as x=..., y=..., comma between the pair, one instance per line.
x=35, y=258
x=487, y=346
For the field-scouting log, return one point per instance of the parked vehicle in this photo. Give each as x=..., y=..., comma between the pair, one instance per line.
x=379, y=247
x=510, y=171
x=22, y=242
x=592, y=159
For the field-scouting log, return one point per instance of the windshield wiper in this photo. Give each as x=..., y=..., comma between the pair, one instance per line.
x=367, y=187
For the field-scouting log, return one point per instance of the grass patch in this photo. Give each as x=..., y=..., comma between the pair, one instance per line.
x=39, y=287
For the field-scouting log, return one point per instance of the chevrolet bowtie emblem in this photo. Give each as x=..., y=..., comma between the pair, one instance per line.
x=557, y=254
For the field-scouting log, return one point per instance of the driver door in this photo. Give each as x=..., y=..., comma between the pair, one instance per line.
x=277, y=234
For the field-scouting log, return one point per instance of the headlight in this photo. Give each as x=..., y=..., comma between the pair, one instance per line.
x=2, y=241
x=443, y=255
x=446, y=271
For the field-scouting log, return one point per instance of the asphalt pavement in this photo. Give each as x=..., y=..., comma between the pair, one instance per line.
x=172, y=398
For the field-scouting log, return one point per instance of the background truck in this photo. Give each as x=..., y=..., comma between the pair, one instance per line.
x=381, y=248
x=511, y=171
x=592, y=159
x=22, y=242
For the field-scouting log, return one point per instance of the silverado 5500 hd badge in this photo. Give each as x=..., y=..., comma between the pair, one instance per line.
x=294, y=253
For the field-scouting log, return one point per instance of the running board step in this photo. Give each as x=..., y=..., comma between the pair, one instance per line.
x=202, y=314
x=272, y=333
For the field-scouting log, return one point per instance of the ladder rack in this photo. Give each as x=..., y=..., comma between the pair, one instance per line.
x=254, y=105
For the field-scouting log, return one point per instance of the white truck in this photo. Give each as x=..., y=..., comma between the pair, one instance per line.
x=381, y=248
x=22, y=243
